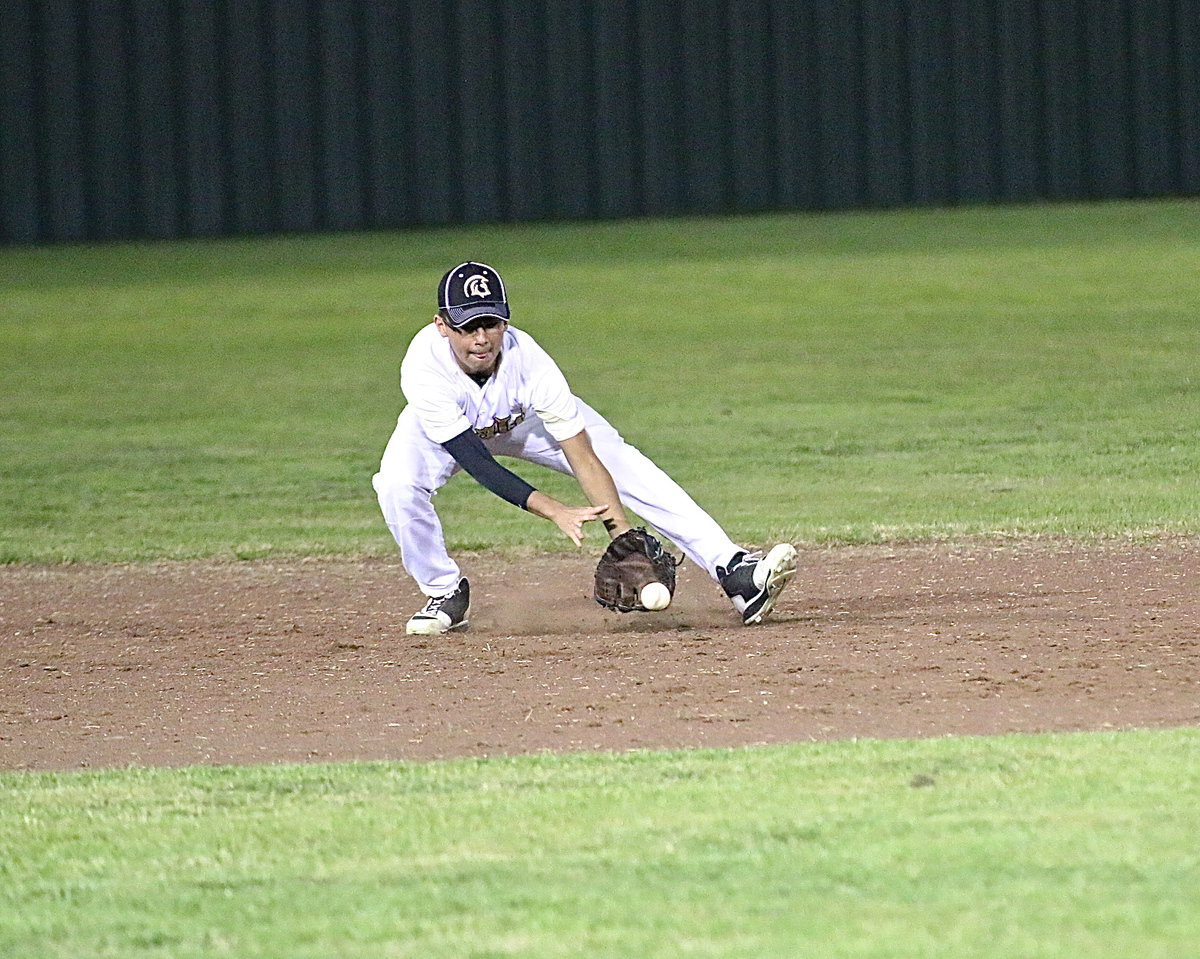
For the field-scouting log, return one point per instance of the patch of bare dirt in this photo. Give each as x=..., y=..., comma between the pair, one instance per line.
x=182, y=663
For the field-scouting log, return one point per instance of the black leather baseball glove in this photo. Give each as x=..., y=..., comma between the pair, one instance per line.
x=633, y=561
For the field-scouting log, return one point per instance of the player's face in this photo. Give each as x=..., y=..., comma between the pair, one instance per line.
x=476, y=346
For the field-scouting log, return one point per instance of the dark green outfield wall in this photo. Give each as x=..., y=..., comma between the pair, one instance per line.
x=164, y=118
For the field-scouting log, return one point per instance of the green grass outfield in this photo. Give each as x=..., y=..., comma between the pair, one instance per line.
x=1047, y=846
x=859, y=377
x=1022, y=371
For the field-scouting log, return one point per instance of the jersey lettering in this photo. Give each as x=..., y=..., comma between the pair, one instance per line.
x=501, y=424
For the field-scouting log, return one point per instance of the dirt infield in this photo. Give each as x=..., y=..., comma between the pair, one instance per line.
x=182, y=663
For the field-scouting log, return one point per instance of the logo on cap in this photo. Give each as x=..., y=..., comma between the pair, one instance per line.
x=477, y=285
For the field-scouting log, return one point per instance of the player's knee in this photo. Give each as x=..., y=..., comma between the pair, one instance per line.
x=398, y=496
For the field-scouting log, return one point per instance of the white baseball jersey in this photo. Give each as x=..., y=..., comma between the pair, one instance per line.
x=447, y=401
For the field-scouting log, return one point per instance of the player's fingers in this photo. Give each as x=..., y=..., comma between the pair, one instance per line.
x=571, y=523
x=573, y=528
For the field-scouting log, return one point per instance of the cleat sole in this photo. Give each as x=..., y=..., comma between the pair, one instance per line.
x=781, y=561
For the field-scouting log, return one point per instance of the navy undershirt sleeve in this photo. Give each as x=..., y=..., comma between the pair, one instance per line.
x=470, y=453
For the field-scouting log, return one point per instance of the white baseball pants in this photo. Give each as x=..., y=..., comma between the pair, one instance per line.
x=414, y=468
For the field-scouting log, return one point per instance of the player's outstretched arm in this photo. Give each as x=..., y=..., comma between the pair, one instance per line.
x=596, y=482
x=470, y=453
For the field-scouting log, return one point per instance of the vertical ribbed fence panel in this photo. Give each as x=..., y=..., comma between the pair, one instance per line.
x=1152, y=103
x=566, y=108
x=525, y=150
x=165, y=118
x=886, y=102
x=930, y=118
x=1186, y=48
x=702, y=110
x=57, y=122
x=1019, y=115
x=792, y=56
x=20, y=104
x=658, y=72
x=156, y=145
x=752, y=185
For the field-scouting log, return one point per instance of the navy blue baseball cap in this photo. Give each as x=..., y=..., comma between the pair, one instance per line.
x=469, y=290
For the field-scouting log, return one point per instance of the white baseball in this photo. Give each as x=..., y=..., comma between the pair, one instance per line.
x=655, y=596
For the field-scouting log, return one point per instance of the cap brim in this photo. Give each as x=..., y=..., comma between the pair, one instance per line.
x=464, y=314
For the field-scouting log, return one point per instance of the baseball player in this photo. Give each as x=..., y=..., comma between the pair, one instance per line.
x=476, y=388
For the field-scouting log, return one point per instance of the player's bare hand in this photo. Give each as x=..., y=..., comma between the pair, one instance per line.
x=571, y=519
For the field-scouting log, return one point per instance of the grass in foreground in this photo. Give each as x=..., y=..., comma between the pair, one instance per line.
x=850, y=377
x=1078, y=845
